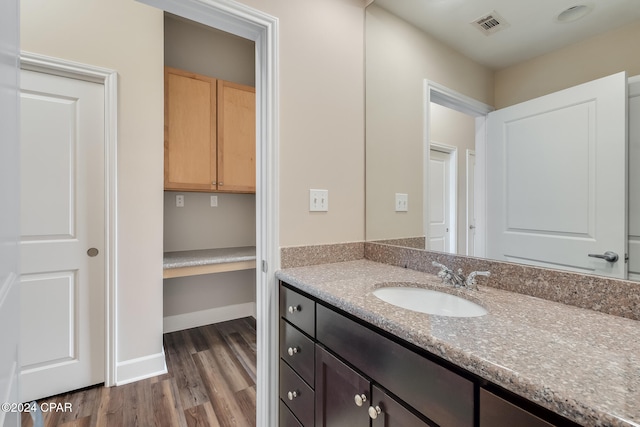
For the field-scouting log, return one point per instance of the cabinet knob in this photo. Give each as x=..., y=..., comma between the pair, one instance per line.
x=293, y=350
x=292, y=395
x=360, y=399
x=293, y=309
x=213, y=183
x=221, y=183
x=374, y=412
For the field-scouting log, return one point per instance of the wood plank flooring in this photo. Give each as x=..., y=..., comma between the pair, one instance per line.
x=211, y=381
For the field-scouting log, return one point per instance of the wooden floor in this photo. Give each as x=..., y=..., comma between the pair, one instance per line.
x=211, y=382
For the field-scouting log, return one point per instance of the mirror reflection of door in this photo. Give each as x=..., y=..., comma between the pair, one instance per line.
x=442, y=194
x=470, y=193
x=550, y=203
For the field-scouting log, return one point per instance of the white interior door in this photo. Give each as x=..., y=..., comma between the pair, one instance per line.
x=471, y=214
x=634, y=178
x=439, y=201
x=556, y=179
x=62, y=234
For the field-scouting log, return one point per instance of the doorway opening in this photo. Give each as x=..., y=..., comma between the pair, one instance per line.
x=459, y=122
x=246, y=22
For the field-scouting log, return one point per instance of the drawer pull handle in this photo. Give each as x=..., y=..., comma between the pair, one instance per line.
x=360, y=399
x=293, y=350
x=294, y=308
x=374, y=412
x=292, y=395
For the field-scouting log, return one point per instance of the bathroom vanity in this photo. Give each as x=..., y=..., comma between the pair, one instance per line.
x=348, y=358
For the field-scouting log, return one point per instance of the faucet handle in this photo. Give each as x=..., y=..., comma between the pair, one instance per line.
x=471, y=279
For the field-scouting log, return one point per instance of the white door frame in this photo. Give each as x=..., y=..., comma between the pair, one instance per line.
x=469, y=193
x=453, y=191
x=249, y=23
x=109, y=79
x=439, y=94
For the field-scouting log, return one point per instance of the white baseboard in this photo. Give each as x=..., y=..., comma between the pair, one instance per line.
x=141, y=368
x=207, y=317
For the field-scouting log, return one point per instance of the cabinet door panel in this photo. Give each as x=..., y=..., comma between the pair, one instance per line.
x=433, y=390
x=336, y=387
x=236, y=137
x=392, y=413
x=190, y=131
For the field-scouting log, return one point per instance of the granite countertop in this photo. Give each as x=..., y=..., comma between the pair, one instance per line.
x=576, y=362
x=201, y=257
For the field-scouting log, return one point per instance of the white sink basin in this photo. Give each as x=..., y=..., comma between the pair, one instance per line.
x=429, y=301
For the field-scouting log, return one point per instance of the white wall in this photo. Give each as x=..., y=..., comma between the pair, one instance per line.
x=399, y=58
x=9, y=209
x=125, y=36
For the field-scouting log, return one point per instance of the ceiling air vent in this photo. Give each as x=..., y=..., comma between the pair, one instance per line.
x=490, y=23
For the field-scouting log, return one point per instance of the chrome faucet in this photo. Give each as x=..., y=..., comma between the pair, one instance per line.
x=456, y=278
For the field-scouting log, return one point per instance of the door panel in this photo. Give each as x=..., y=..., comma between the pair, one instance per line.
x=62, y=212
x=556, y=179
x=439, y=201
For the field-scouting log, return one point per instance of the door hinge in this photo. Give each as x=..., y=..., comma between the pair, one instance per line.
x=265, y=266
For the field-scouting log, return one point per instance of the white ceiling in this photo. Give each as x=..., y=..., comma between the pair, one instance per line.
x=532, y=31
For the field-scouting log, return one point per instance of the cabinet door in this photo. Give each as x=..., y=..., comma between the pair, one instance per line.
x=236, y=138
x=391, y=413
x=189, y=131
x=336, y=387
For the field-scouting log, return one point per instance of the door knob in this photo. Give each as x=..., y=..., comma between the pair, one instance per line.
x=607, y=256
x=471, y=227
x=92, y=252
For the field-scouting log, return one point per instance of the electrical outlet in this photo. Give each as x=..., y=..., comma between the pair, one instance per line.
x=318, y=200
x=179, y=201
x=402, y=202
x=214, y=201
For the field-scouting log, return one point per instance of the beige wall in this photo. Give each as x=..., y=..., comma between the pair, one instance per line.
x=399, y=58
x=125, y=36
x=596, y=57
x=321, y=129
x=321, y=63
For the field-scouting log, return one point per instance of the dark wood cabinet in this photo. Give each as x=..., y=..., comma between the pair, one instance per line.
x=497, y=412
x=392, y=413
x=337, y=371
x=336, y=387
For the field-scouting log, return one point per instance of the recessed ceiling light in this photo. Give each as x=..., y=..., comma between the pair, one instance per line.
x=574, y=13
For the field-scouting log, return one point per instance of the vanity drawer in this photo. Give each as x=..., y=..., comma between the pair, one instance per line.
x=438, y=393
x=298, y=351
x=298, y=310
x=497, y=412
x=301, y=402
x=287, y=419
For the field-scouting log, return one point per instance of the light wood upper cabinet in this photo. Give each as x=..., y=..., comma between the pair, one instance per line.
x=236, y=137
x=209, y=134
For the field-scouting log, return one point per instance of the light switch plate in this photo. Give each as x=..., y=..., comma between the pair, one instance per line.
x=402, y=202
x=214, y=201
x=318, y=200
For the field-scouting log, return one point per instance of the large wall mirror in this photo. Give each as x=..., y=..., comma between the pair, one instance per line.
x=505, y=130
